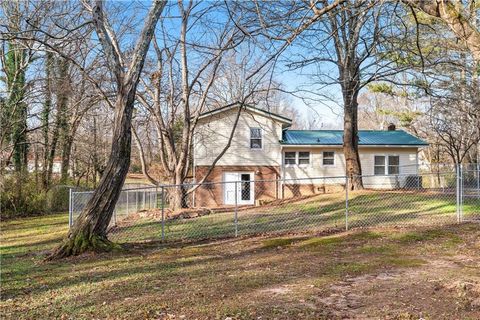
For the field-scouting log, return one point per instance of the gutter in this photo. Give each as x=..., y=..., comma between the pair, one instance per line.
x=360, y=146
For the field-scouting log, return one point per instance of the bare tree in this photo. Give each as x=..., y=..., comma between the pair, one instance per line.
x=89, y=231
x=188, y=69
x=460, y=18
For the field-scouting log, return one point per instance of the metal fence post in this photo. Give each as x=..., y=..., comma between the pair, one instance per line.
x=346, y=203
x=461, y=193
x=136, y=200
x=236, y=209
x=70, y=207
x=127, y=200
x=457, y=171
x=163, y=213
x=478, y=179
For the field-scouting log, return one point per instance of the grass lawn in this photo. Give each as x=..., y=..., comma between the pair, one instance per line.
x=314, y=214
x=395, y=273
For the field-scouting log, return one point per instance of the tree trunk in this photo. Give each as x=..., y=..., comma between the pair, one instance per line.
x=178, y=198
x=45, y=117
x=89, y=231
x=66, y=152
x=350, y=139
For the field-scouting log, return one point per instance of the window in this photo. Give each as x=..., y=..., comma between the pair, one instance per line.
x=328, y=158
x=255, y=138
x=290, y=158
x=386, y=165
x=379, y=165
x=304, y=157
x=393, y=164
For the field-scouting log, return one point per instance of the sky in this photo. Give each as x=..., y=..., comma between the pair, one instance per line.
x=329, y=112
x=291, y=80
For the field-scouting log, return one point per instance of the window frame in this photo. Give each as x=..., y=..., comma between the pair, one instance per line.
x=386, y=164
x=251, y=138
x=332, y=158
x=303, y=158
x=375, y=165
x=389, y=165
x=294, y=159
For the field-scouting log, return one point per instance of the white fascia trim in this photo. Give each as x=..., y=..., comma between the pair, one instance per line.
x=266, y=114
x=340, y=146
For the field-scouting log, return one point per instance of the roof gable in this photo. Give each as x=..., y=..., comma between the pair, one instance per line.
x=250, y=108
x=335, y=137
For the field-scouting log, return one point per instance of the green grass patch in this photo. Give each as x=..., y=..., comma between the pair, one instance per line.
x=322, y=242
x=423, y=235
x=278, y=242
x=403, y=262
x=378, y=249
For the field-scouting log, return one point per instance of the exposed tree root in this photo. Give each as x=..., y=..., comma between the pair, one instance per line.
x=81, y=243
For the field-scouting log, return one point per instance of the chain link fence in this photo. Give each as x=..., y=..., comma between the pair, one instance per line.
x=245, y=206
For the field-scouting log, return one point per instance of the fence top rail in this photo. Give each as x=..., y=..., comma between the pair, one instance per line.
x=340, y=179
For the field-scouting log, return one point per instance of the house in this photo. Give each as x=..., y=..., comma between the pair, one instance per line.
x=272, y=161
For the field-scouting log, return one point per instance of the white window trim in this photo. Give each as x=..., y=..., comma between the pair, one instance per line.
x=297, y=159
x=386, y=156
x=297, y=155
x=328, y=165
x=289, y=164
x=250, y=138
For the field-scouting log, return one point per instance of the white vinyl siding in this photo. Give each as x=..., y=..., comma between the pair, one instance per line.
x=212, y=133
x=406, y=158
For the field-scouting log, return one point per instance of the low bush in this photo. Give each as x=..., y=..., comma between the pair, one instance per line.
x=21, y=195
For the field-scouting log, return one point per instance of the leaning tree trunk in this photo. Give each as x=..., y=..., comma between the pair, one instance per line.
x=90, y=229
x=350, y=139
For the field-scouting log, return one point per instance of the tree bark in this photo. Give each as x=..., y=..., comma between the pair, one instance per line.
x=350, y=139
x=89, y=232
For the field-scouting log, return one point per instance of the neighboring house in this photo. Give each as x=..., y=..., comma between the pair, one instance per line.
x=284, y=162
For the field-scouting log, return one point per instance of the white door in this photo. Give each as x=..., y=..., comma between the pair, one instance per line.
x=244, y=187
x=229, y=179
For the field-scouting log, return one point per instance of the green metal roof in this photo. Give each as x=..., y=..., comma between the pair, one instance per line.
x=335, y=137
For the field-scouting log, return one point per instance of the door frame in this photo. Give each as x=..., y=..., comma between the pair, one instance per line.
x=238, y=180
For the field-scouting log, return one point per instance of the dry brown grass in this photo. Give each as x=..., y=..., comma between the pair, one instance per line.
x=378, y=273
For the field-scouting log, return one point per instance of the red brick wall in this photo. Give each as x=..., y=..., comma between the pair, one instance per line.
x=210, y=195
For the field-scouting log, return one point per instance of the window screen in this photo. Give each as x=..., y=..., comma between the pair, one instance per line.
x=290, y=158
x=255, y=138
x=328, y=158
x=393, y=164
x=304, y=158
x=379, y=165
